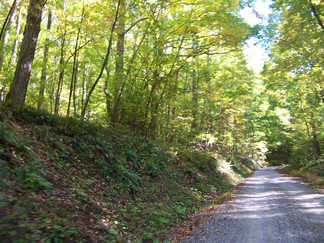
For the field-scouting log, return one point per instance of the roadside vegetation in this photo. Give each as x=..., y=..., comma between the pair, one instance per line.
x=65, y=180
x=312, y=173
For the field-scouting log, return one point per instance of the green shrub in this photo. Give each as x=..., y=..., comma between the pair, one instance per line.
x=129, y=178
x=32, y=176
x=8, y=136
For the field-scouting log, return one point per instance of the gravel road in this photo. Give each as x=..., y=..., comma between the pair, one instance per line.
x=269, y=207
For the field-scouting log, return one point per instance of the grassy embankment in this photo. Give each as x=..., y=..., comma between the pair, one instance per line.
x=66, y=181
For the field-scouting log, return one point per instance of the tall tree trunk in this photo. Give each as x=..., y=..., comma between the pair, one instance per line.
x=7, y=19
x=84, y=84
x=108, y=97
x=150, y=117
x=74, y=96
x=13, y=57
x=87, y=100
x=126, y=78
x=44, y=68
x=52, y=84
x=194, y=99
x=309, y=134
x=75, y=67
x=4, y=35
x=315, y=142
x=119, y=69
x=18, y=89
x=61, y=76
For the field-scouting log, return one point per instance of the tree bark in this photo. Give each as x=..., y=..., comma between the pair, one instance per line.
x=119, y=70
x=75, y=67
x=7, y=19
x=44, y=68
x=195, y=105
x=5, y=31
x=87, y=100
x=18, y=89
x=13, y=57
x=318, y=18
x=315, y=141
x=61, y=76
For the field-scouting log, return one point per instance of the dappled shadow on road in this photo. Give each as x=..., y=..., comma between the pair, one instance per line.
x=268, y=207
x=269, y=193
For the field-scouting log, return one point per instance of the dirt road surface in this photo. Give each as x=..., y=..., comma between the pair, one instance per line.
x=269, y=207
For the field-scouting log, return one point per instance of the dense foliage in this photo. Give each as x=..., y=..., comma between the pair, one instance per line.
x=294, y=81
x=170, y=70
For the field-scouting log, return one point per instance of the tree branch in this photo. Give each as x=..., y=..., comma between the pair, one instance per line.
x=105, y=62
x=138, y=21
x=7, y=18
x=320, y=22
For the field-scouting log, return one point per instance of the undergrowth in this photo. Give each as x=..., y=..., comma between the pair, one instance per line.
x=312, y=171
x=65, y=180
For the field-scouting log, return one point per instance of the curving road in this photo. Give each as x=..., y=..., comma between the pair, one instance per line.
x=269, y=207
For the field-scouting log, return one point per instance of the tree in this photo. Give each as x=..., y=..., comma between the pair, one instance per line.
x=18, y=88
x=104, y=64
x=167, y=69
x=73, y=82
x=119, y=69
x=45, y=63
x=4, y=33
x=294, y=74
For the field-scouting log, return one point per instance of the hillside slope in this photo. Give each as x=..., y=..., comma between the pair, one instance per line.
x=66, y=181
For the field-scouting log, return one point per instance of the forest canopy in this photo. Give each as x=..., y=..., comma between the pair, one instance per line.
x=172, y=70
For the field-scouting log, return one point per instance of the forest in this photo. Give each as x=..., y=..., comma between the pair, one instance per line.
x=167, y=72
